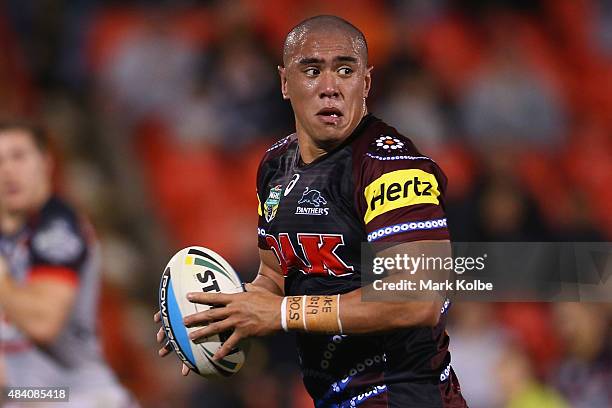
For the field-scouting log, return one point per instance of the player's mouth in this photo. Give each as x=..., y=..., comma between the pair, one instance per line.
x=10, y=189
x=330, y=116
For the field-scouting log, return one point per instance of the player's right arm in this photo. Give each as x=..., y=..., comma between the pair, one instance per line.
x=42, y=304
x=269, y=276
x=39, y=308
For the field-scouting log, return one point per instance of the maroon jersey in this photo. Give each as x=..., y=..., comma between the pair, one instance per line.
x=375, y=187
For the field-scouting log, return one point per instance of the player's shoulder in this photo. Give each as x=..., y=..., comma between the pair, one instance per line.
x=56, y=232
x=275, y=154
x=57, y=209
x=280, y=147
x=383, y=143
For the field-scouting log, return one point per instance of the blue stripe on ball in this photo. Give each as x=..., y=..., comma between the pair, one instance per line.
x=178, y=328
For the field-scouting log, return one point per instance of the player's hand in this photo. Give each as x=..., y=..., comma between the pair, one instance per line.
x=166, y=348
x=252, y=313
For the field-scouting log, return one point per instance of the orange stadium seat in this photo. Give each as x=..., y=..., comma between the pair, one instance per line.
x=112, y=25
x=451, y=52
x=107, y=30
x=204, y=196
x=531, y=325
x=458, y=164
x=274, y=19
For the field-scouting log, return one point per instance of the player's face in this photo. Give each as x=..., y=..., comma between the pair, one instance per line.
x=327, y=81
x=24, y=172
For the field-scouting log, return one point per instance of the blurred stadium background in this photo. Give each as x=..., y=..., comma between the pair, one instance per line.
x=160, y=111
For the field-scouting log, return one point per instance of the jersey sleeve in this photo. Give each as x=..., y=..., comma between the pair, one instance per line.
x=401, y=199
x=261, y=231
x=268, y=196
x=58, y=249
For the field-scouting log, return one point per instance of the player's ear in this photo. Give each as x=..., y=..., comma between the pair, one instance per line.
x=368, y=81
x=282, y=72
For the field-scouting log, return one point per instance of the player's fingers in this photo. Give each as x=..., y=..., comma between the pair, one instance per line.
x=227, y=345
x=164, y=351
x=207, y=316
x=157, y=317
x=161, y=335
x=209, y=298
x=185, y=370
x=200, y=335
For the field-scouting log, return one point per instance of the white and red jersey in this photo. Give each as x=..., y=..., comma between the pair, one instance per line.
x=56, y=243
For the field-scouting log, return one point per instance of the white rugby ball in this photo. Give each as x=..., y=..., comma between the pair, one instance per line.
x=198, y=269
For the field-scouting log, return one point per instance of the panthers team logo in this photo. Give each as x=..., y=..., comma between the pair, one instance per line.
x=271, y=203
x=312, y=203
x=313, y=197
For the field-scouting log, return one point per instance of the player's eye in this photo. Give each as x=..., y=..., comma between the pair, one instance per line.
x=312, y=71
x=345, y=71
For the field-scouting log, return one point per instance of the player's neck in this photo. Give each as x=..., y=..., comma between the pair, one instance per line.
x=12, y=220
x=311, y=148
x=310, y=151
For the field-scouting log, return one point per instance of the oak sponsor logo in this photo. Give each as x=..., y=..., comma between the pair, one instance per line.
x=317, y=256
x=400, y=188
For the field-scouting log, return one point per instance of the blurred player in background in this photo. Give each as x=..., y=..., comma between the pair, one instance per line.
x=49, y=280
x=344, y=178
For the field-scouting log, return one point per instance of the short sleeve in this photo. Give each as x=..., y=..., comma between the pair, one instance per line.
x=261, y=227
x=261, y=231
x=57, y=248
x=401, y=200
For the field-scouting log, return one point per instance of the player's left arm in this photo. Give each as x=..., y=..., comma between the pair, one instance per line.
x=408, y=309
x=400, y=198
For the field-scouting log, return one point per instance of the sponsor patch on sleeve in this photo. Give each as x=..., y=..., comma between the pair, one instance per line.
x=58, y=243
x=400, y=188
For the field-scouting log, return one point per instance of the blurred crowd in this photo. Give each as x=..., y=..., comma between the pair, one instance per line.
x=161, y=110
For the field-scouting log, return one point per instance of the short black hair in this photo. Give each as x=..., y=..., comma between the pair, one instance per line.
x=34, y=129
x=326, y=22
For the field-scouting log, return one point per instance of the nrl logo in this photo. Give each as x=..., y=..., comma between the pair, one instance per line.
x=315, y=199
x=271, y=204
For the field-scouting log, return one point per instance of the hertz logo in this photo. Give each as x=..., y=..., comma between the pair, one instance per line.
x=400, y=188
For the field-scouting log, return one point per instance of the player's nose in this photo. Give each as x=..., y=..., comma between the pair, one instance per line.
x=329, y=86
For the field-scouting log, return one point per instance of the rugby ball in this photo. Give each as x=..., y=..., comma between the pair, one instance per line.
x=196, y=269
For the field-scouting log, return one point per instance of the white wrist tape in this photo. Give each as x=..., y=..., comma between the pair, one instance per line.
x=304, y=311
x=284, y=314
